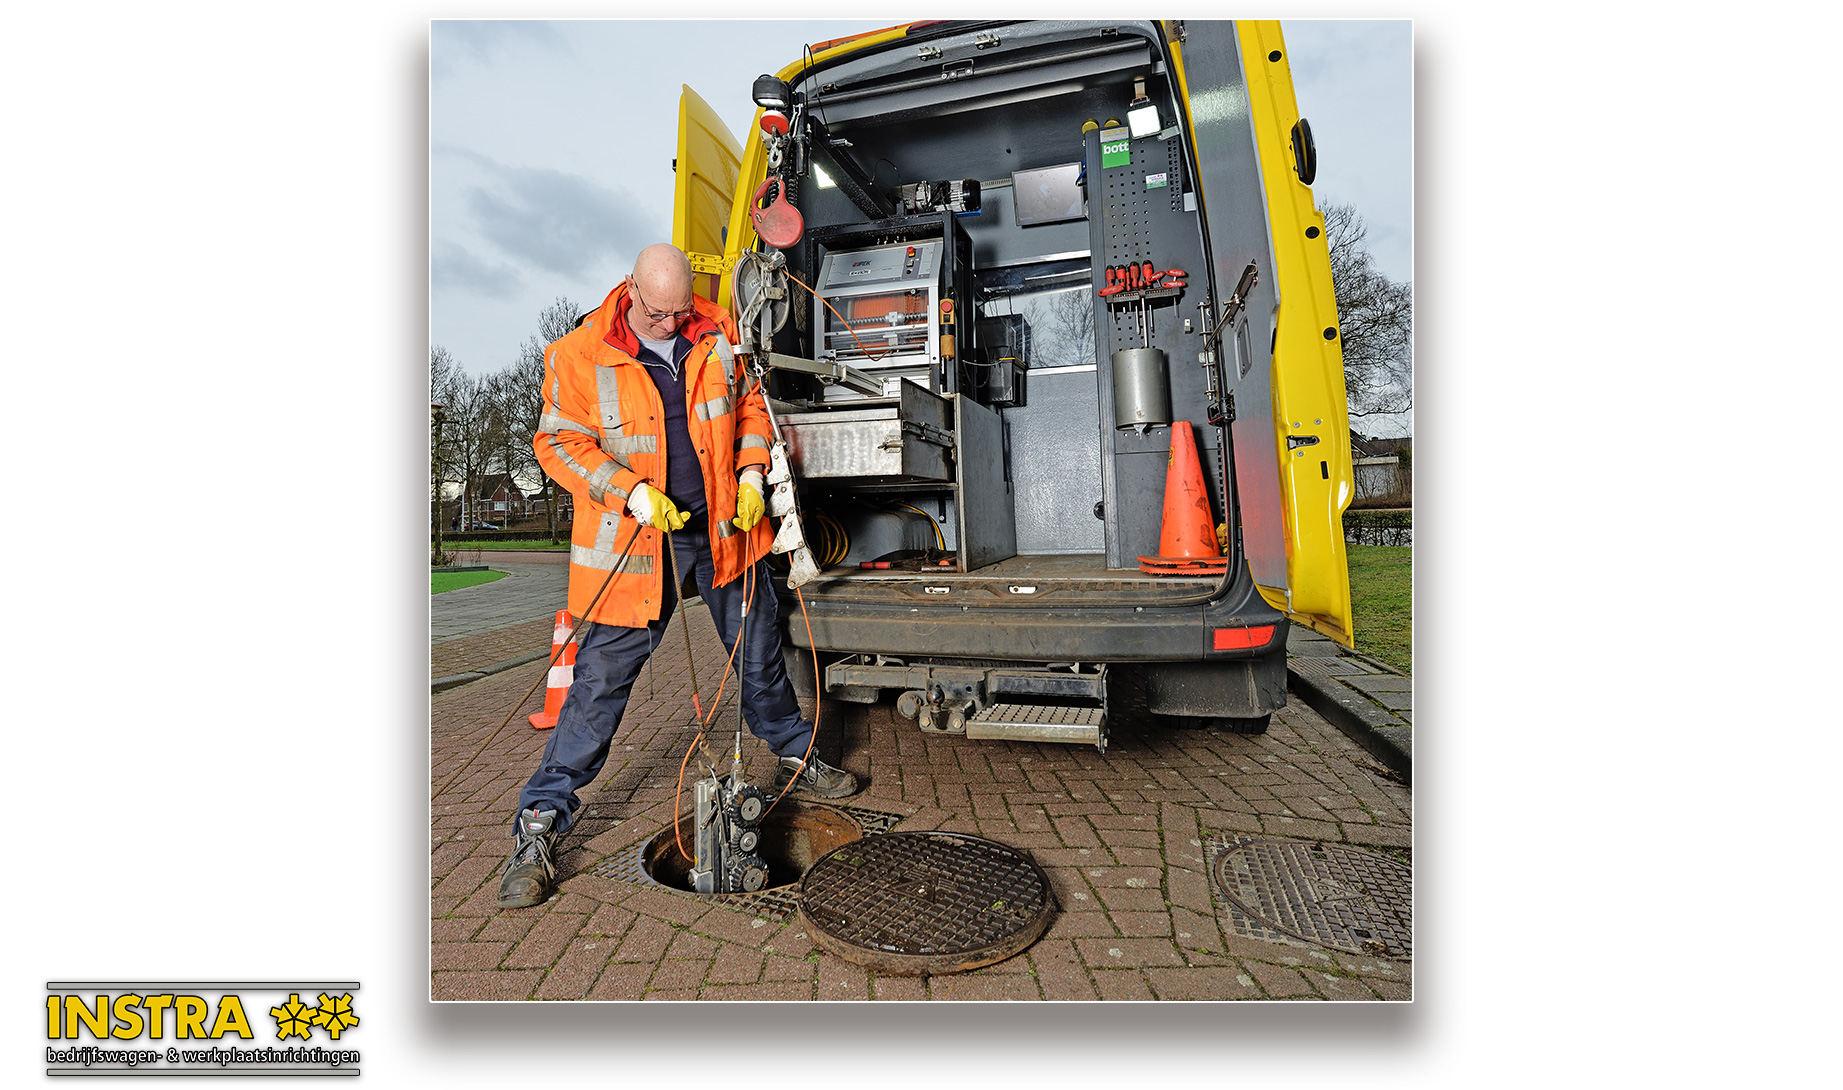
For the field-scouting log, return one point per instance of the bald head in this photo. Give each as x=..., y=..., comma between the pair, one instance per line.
x=665, y=268
x=662, y=275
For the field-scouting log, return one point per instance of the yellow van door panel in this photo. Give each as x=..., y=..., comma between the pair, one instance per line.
x=1291, y=433
x=709, y=162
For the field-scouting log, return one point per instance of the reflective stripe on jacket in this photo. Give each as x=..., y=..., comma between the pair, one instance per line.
x=602, y=432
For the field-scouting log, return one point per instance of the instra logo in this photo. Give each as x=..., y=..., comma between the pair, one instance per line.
x=128, y=1016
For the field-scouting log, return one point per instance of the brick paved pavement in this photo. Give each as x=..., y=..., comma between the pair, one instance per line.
x=535, y=586
x=1122, y=837
x=474, y=651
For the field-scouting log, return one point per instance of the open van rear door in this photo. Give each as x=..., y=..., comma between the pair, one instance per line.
x=709, y=159
x=1291, y=433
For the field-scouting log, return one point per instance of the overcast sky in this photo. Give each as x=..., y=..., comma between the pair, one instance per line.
x=550, y=165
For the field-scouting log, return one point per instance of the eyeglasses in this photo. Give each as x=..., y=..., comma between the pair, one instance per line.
x=657, y=315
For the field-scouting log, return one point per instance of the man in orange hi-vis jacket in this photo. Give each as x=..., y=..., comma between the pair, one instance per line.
x=651, y=425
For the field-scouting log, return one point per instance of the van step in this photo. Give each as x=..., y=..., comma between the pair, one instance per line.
x=1040, y=723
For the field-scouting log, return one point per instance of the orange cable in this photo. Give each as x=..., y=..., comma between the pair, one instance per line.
x=836, y=314
x=818, y=704
x=556, y=656
x=748, y=595
x=704, y=724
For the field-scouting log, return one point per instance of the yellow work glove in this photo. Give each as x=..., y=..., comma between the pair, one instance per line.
x=651, y=507
x=749, y=506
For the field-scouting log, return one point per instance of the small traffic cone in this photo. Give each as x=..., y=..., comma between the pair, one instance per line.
x=1187, y=537
x=561, y=674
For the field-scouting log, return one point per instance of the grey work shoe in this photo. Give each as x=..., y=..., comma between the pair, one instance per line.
x=818, y=779
x=530, y=874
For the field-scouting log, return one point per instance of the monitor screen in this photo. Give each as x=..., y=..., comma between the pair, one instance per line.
x=1049, y=195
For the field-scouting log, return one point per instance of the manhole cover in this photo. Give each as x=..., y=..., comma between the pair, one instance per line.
x=1338, y=897
x=925, y=903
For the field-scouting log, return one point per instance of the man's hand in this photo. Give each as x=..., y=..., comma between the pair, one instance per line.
x=749, y=505
x=651, y=507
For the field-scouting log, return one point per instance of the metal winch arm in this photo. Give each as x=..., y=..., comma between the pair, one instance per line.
x=829, y=372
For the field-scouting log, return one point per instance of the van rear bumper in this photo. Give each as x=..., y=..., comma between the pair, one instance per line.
x=1238, y=624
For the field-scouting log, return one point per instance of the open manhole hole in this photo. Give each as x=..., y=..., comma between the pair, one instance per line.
x=792, y=836
x=925, y=903
x=1338, y=897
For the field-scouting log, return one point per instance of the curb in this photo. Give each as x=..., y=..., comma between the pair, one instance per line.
x=455, y=681
x=1350, y=711
x=457, y=568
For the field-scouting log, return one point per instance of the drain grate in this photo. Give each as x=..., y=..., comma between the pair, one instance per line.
x=629, y=865
x=1324, y=666
x=925, y=902
x=1338, y=897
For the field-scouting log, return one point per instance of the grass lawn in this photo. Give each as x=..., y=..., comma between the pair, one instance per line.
x=1382, y=602
x=455, y=580
x=449, y=546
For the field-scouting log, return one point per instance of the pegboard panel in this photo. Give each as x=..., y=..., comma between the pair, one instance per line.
x=1137, y=214
x=1143, y=219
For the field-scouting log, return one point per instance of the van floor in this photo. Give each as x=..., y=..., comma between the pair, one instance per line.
x=1085, y=567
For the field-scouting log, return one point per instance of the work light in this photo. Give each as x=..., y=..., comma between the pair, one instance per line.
x=1141, y=114
x=771, y=94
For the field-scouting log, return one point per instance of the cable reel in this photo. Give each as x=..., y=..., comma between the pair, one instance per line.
x=763, y=302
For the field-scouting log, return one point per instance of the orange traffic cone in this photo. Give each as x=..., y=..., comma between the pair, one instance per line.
x=561, y=674
x=1187, y=538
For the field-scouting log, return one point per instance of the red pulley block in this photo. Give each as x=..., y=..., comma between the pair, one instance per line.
x=778, y=223
x=774, y=123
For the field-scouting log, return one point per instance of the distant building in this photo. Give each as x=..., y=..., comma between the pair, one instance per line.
x=499, y=501
x=1384, y=470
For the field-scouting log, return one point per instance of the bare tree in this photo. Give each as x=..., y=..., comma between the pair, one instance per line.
x=1063, y=329
x=513, y=425
x=471, y=438
x=523, y=396
x=1375, y=320
x=441, y=368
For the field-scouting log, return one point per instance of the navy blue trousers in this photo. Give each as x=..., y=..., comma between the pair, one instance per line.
x=609, y=659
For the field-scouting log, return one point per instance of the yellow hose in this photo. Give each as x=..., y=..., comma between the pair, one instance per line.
x=933, y=525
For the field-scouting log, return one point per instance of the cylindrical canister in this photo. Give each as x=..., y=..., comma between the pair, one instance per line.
x=1141, y=388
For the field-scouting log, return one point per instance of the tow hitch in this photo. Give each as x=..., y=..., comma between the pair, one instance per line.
x=1052, y=702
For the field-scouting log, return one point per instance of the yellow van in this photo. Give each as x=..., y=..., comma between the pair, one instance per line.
x=1044, y=310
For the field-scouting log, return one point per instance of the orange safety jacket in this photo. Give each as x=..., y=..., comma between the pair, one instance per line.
x=603, y=431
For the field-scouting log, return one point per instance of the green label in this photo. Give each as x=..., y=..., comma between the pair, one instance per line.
x=1155, y=181
x=1116, y=148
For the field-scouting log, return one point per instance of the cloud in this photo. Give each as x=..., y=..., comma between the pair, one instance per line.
x=558, y=222
x=454, y=266
x=485, y=41
x=551, y=221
